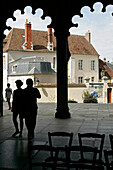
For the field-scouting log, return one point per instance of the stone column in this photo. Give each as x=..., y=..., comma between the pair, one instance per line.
x=62, y=75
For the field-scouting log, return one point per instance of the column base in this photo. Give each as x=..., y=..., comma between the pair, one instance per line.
x=63, y=113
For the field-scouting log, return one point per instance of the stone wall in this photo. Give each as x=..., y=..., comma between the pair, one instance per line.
x=49, y=92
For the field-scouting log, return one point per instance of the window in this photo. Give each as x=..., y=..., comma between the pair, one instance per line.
x=103, y=73
x=54, y=62
x=92, y=65
x=14, y=67
x=80, y=79
x=92, y=79
x=80, y=64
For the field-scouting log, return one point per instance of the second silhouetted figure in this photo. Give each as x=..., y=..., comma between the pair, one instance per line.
x=30, y=100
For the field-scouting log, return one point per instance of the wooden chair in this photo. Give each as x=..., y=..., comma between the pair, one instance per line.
x=39, y=159
x=108, y=159
x=59, y=140
x=73, y=154
x=94, y=138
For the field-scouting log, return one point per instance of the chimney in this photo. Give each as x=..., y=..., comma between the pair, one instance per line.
x=50, y=40
x=104, y=60
x=28, y=37
x=88, y=36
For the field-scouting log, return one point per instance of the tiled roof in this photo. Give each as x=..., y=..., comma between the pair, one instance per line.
x=110, y=65
x=107, y=67
x=77, y=44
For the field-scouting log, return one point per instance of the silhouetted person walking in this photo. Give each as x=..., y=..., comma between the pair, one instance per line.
x=17, y=107
x=8, y=95
x=30, y=98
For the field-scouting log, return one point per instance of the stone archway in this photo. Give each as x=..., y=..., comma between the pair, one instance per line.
x=61, y=15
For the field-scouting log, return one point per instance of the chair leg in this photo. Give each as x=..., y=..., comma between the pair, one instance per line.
x=43, y=168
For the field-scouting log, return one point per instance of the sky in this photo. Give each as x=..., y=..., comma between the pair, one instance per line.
x=99, y=23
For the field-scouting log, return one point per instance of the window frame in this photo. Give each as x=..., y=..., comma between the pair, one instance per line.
x=80, y=80
x=14, y=68
x=92, y=79
x=54, y=62
x=80, y=64
x=92, y=65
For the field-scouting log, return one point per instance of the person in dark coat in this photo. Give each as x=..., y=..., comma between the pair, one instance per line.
x=30, y=102
x=17, y=108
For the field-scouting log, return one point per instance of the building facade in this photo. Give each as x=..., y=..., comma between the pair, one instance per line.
x=25, y=43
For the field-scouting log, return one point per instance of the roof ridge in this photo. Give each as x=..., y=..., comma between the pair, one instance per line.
x=16, y=60
x=46, y=31
x=31, y=30
x=18, y=28
x=77, y=35
x=33, y=69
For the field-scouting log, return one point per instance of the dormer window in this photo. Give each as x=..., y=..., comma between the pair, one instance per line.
x=14, y=67
x=4, y=43
x=23, y=35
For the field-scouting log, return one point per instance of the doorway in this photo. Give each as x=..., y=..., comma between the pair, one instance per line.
x=109, y=90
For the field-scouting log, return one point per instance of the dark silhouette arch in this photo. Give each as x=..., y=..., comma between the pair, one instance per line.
x=61, y=15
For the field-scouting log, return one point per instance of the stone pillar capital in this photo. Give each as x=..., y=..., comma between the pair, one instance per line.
x=61, y=33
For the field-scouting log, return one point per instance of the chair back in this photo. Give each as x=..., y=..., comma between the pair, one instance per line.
x=108, y=159
x=96, y=139
x=42, y=153
x=60, y=139
x=73, y=154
